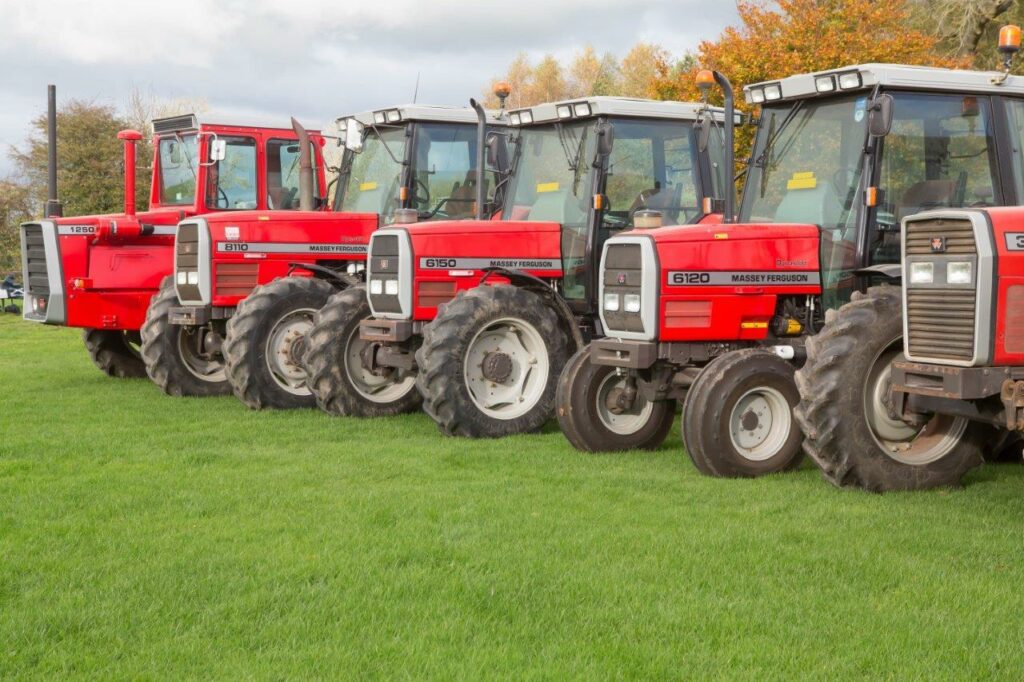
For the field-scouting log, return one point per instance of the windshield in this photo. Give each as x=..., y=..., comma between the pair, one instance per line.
x=370, y=179
x=177, y=163
x=444, y=171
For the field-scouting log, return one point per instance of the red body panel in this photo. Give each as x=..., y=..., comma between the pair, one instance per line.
x=1007, y=224
x=716, y=278
x=297, y=237
x=513, y=244
x=110, y=282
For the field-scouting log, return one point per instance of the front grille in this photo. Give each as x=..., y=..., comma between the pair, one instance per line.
x=940, y=323
x=383, y=259
x=186, y=262
x=37, y=277
x=956, y=237
x=236, y=279
x=623, y=274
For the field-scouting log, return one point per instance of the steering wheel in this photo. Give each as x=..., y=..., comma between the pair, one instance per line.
x=221, y=194
x=416, y=197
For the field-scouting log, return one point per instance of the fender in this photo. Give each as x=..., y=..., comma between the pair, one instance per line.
x=891, y=271
x=342, y=280
x=536, y=284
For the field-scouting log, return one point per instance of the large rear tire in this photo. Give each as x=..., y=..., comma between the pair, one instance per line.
x=171, y=352
x=265, y=343
x=590, y=419
x=738, y=416
x=489, y=363
x=848, y=430
x=115, y=352
x=335, y=372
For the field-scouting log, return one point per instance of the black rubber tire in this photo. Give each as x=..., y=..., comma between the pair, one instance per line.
x=112, y=352
x=162, y=353
x=325, y=360
x=709, y=404
x=245, y=344
x=446, y=397
x=832, y=413
x=1003, y=447
x=576, y=408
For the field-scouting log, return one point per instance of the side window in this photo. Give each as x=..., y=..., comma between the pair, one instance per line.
x=231, y=182
x=1015, y=115
x=178, y=166
x=283, y=175
x=445, y=171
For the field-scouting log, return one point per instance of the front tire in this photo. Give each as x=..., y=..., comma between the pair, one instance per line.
x=737, y=417
x=584, y=404
x=265, y=343
x=115, y=352
x=171, y=352
x=849, y=433
x=340, y=383
x=489, y=363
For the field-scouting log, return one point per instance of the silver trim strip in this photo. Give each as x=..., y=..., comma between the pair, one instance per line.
x=56, y=308
x=443, y=263
x=764, y=278
x=289, y=247
x=648, y=289
x=203, y=263
x=405, y=272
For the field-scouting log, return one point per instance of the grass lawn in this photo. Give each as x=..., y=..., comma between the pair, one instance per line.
x=145, y=536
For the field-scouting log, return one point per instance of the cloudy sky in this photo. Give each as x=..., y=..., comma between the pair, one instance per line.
x=315, y=59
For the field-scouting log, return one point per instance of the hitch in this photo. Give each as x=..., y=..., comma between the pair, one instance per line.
x=1012, y=396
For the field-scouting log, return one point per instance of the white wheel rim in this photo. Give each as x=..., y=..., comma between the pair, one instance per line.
x=285, y=368
x=630, y=421
x=760, y=423
x=525, y=384
x=377, y=389
x=211, y=371
x=905, y=443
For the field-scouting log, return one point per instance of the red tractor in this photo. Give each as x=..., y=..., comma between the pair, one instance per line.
x=720, y=315
x=482, y=314
x=246, y=285
x=99, y=272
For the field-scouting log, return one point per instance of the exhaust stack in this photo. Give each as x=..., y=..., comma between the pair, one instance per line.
x=481, y=157
x=306, y=202
x=129, y=137
x=53, y=208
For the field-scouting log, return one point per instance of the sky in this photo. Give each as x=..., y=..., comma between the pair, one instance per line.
x=314, y=59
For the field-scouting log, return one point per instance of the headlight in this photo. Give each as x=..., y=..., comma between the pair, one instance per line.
x=773, y=92
x=958, y=272
x=379, y=117
x=390, y=287
x=582, y=109
x=611, y=302
x=564, y=111
x=526, y=117
x=849, y=80
x=376, y=287
x=922, y=273
x=824, y=84
x=193, y=278
x=631, y=303
x=394, y=116
x=182, y=277
x=757, y=96
x=514, y=119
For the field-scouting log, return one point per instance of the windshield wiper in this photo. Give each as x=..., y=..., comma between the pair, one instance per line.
x=387, y=147
x=188, y=159
x=773, y=136
x=570, y=156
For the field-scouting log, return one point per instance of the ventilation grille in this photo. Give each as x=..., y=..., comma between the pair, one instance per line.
x=37, y=279
x=940, y=323
x=956, y=237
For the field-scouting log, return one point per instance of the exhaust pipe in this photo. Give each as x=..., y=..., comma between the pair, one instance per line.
x=306, y=202
x=129, y=137
x=481, y=157
x=53, y=208
x=705, y=78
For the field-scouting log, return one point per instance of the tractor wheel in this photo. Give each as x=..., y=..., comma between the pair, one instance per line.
x=489, y=363
x=844, y=388
x=335, y=371
x=115, y=352
x=172, y=353
x=590, y=419
x=738, y=416
x=266, y=340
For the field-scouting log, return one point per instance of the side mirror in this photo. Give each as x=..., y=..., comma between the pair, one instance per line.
x=174, y=153
x=218, y=150
x=880, y=116
x=605, y=140
x=497, y=151
x=354, y=135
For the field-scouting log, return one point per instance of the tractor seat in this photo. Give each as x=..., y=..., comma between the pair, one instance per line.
x=460, y=203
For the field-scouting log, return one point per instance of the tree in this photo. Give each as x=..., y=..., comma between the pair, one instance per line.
x=966, y=28
x=639, y=68
x=15, y=208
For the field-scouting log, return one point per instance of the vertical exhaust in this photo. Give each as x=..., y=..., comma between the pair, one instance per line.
x=705, y=79
x=306, y=202
x=481, y=156
x=53, y=208
x=129, y=137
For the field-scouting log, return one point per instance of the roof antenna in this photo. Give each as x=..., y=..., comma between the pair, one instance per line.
x=416, y=90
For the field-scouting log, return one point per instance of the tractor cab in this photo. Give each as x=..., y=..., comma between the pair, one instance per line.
x=942, y=139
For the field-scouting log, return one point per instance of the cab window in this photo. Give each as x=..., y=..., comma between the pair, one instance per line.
x=283, y=175
x=178, y=165
x=444, y=171
x=231, y=182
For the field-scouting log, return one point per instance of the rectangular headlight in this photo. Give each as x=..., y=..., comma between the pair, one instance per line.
x=611, y=302
x=182, y=277
x=824, y=84
x=379, y=117
x=849, y=80
x=564, y=111
x=514, y=119
x=631, y=303
x=581, y=109
x=376, y=287
x=391, y=287
x=958, y=272
x=527, y=117
x=773, y=92
x=394, y=116
x=193, y=278
x=922, y=273
x=757, y=96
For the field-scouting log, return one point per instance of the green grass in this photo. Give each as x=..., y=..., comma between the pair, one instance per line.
x=145, y=536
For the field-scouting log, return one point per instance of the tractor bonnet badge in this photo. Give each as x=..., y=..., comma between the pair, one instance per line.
x=938, y=244
x=622, y=278
x=383, y=263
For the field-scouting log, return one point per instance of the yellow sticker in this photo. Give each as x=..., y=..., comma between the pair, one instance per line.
x=721, y=235
x=547, y=187
x=367, y=186
x=754, y=325
x=804, y=180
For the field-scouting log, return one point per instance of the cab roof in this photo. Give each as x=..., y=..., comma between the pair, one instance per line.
x=192, y=122
x=588, y=107
x=421, y=112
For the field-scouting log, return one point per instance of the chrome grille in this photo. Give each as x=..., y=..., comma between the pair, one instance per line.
x=37, y=277
x=623, y=273
x=940, y=323
x=383, y=259
x=957, y=236
x=186, y=262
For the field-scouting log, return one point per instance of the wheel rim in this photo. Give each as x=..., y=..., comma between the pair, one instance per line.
x=204, y=369
x=629, y=421
x=516, y=371
x=760, y=423
x=284, y=346
x=904, y=442
x=375, y=388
